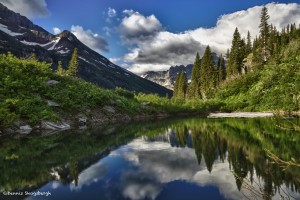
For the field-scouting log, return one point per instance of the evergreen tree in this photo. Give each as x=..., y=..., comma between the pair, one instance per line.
x=175, y=92
x=236, y=56
x=73, y=65
x=272, y=40
x=227, y=54
x=264, y=34
x=256, y=50
x=248, y=44
x=221, y=69
x=193, y=90
x=207, y=73
x=182, y=86
x=60, y=71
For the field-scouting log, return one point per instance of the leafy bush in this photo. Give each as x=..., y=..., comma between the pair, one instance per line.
x=124, y=93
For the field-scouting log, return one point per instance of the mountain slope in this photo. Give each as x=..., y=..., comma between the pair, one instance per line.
x=22, y=38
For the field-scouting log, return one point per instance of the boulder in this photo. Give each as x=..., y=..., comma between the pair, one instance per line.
x=82, y=121
x=54, y=125
x=145, y=103
x=52, y=82
x=109, y=109
x=52, y=103
x=24, y=129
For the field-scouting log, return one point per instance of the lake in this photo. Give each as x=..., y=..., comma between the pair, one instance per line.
x=191, y=158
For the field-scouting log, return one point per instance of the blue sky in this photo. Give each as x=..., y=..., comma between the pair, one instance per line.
x=146, y=35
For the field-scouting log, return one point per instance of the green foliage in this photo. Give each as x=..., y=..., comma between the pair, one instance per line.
x=180, y=87
x=221, y=70
x=22, y=82
x=73, y=65
x=24, y=94
x=274, y=87
x=236, y=55
x=264, y=34
x=176, y=84
x=248, y=44
x=193, y=89
x=124, y=93
x=208, y=74
x=60, y=71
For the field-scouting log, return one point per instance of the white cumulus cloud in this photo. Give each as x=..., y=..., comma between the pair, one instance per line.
x=157, y=49
x=28, y=8
x=56, y=30
x=92, y=40
x=137, y=26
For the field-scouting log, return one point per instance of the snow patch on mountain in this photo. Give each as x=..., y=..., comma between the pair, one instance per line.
x=9, y=32
x=49, y=46
x=85, y=60
x=64, y=51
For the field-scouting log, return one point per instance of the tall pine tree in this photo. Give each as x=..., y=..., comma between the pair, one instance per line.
x=60, y=71
x=264, y=29
x=175, y=91
x=234, y=64
x=221, y=69
x=248, y=44
x=193, y=89
x=73, y=65
x=207, y=75
x=182, y=86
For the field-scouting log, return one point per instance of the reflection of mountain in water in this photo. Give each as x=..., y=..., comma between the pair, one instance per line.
x=178, y=137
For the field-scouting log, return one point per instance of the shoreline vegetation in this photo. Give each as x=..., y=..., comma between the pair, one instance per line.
x=36, y=98
x=263, y=76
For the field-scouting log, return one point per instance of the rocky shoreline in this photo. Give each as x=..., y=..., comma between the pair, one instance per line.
x=109, y=116
x=103, y=117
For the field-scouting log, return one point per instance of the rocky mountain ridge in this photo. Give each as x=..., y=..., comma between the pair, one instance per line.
x=22, y=38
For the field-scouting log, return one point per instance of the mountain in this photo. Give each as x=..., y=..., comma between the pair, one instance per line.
x=22, y=38
x=167, y=78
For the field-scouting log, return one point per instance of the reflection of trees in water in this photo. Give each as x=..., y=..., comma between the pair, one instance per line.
x=245, y=153
x=74, y=171
x=242, y=142
x=182, y=135
x=239, y=163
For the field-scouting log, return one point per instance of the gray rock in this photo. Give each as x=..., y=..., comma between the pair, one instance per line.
x=52, y=103
x=145, y=103
x=24, y=129
x=109, y=109
x=82, y=121
x=54, y=125
x=8, y=131
x=52, y=82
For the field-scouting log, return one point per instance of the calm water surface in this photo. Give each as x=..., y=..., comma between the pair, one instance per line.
x=173, y=159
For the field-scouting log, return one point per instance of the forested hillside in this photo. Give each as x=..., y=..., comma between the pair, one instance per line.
x=260, y=75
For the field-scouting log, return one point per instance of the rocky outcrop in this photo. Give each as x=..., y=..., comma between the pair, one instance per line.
x=24, y=129
x=167, y=78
